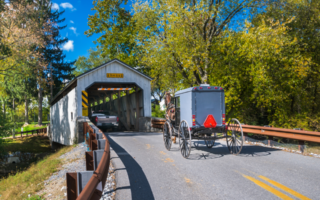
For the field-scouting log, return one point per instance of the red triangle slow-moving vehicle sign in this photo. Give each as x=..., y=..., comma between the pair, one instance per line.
x=210, y=122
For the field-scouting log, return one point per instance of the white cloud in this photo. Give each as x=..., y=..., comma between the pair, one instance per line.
x=67, y=5
x=74, y=30
x=55, y=6
x=71, y=22
x=68, y=46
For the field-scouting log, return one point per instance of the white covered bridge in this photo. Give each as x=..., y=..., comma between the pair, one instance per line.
x=113, y=86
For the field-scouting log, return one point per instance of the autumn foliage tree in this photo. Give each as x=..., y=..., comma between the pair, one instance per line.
x=22, y=27
x=264, y=53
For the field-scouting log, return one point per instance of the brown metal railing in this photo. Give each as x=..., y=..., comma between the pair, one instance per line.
x=90, y=191
x=301, y=135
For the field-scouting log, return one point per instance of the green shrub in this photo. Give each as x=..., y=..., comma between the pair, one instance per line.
x=156, y=112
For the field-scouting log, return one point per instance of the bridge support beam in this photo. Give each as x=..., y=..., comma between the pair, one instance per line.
x=128, y=108
x=118, y=101
x=137, y=109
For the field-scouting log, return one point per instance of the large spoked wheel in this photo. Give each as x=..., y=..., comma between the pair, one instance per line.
x=209, y=143
x=167, y=135
x=234, y=137
x=184, y=139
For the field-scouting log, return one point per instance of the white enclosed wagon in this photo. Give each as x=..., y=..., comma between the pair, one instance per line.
x=200, y=114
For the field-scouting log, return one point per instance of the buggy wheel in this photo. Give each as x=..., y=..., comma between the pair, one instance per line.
x=184, y=139
x=167, y=135
x=234, y=136
x=209, y=143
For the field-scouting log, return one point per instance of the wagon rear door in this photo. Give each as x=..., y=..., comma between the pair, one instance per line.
x=206, y=103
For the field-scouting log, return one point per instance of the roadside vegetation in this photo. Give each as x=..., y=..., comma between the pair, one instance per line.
x=32, y=64
x=157, y=112
x=26, y=182
x=32, y=144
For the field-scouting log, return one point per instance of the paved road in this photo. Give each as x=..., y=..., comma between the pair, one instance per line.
x=257, y=173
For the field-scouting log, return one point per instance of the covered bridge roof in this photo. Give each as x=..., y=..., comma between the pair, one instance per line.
x=72, y=84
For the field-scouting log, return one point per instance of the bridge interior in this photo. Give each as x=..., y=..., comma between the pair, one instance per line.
x=122, y=99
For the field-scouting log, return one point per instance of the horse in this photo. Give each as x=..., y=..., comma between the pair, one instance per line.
x=170, y=112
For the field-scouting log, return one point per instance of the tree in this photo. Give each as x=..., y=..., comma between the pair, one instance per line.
x=113, y=22
x=94, y=59
x=57, y=70
x=60, y=69
x=21, y=37
x=181, y=36
x=302, y=107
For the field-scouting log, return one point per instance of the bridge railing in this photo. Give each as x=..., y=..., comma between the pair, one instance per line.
x=94, y=186
x=301, y=135
x=36, y=131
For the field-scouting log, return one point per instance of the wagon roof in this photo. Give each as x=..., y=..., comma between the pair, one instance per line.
x=184, y=91
x=191, y=89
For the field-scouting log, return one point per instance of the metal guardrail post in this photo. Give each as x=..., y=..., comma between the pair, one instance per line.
x=72, y=189
x=94, y=145
x=100, y=160
x=89, y=160
x=270, y=140
x=302, y=146
x=244, y=136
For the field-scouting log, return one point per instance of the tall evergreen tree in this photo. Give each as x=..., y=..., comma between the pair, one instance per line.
x=58, y=69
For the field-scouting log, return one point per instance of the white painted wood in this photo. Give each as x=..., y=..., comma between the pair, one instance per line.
x=63, y=128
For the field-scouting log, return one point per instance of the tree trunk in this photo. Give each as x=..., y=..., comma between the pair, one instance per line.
x=40, y=106
x=26, y=120
x=4, y=108
x=14, y=120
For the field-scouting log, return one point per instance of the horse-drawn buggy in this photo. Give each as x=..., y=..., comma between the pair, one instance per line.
x=199, y=113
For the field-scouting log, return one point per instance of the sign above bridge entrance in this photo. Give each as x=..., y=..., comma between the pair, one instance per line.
x=114, y=75
x=114, y=88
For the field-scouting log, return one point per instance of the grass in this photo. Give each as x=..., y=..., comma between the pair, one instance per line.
x=31, y=126
x=313, y=148
x=26, y=182
x=35, y=144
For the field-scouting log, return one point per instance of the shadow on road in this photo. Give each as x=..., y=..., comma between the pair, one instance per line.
x=129, y=134
x=139, y=185
x=199, y=151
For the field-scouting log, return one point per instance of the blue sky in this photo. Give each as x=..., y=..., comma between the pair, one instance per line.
x=76, y=18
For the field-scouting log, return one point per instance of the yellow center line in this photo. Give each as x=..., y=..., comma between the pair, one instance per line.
x=284, y=188
x=268, y=188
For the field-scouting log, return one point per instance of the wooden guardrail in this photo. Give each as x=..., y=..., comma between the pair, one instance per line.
x=37, y=131
x=157, y=122
x=92, y=189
